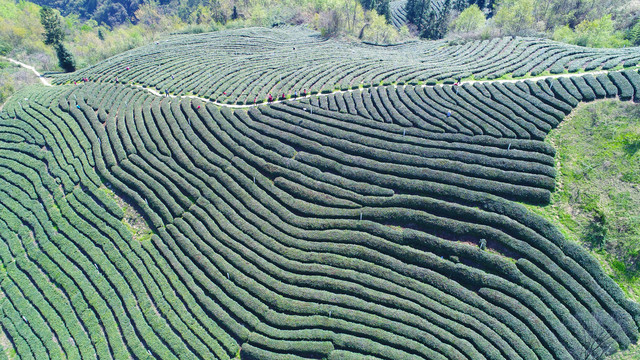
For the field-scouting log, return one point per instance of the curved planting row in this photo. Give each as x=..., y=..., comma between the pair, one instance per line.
x=279, y=62
x=398, y=13
x=437, y=5
x=337, y=227
x=75, y=284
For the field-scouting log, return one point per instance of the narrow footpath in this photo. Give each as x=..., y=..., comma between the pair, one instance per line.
x=535, y=78
x=43, y=80
x=46, y=82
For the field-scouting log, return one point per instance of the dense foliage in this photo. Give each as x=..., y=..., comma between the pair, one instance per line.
x=634, y=33
x=54, y=35
x=430, y=19
x=65, y=58
x=596, y=33
x=470, y=19
x=110, y=12
x=117, y=12
x=610, y=20
x=380, y=6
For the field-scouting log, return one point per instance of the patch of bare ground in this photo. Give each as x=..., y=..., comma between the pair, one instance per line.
x=132, y=219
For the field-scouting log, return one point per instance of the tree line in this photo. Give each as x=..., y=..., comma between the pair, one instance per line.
x=92, y=36
x=594, y=23
x=116, y=12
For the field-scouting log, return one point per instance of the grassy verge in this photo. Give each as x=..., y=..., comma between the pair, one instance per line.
x=597, y=197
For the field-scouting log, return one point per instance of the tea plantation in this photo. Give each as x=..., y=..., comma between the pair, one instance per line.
x=378, y=223
x=244, y=66
x=398, y=13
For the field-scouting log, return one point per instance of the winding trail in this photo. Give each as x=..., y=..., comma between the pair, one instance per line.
x=43, y=80
x=46, y=82
x=534, y=78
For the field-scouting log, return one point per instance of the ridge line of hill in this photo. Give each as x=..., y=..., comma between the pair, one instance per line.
x=241, y=106
x=238, y=106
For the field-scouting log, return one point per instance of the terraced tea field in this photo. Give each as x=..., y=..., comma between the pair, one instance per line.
x=228, y=68
x=398, y=13
x=397, y=9
x=382, y=222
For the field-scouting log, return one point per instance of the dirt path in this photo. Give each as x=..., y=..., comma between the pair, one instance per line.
x=43, y=80
x=535, y=78
x=236, y=106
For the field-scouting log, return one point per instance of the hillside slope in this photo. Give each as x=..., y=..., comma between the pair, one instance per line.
x=398, y=13
x=229, y=68
x=377, y=223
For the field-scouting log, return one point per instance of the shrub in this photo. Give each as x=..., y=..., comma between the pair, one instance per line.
x=515, y=17
x=65, y=58
x=597, y=33
x=634, y=33
x=470, y=19
x=5, y=48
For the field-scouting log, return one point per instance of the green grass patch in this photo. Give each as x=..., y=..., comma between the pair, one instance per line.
x=133, y=220
x=597, y=193
x=632, y=353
